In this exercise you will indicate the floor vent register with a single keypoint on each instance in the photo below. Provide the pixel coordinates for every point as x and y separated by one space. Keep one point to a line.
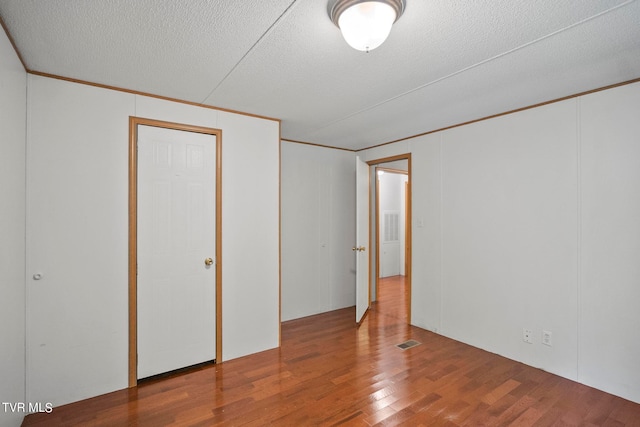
408 344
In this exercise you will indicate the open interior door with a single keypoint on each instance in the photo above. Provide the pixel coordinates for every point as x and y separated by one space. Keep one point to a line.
361 248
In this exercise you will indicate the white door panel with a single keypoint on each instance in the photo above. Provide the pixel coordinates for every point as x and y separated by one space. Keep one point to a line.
176 233
362 238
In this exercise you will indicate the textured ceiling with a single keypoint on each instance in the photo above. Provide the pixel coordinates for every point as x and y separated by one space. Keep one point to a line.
445 62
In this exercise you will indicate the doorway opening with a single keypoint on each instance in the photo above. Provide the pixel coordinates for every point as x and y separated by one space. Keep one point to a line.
134 126
391 199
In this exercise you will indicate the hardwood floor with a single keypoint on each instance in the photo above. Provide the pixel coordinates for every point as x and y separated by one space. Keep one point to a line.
329 372
392 298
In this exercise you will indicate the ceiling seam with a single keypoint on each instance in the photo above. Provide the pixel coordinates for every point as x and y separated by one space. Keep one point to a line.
485 61
317 145
271 27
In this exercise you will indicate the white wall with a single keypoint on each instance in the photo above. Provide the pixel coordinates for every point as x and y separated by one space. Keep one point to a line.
509 232
531 220
250 234
77 239
318 230
77 236
13 114
609 295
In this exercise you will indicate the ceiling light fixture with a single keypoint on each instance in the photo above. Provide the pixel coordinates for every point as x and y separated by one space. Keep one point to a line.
365 24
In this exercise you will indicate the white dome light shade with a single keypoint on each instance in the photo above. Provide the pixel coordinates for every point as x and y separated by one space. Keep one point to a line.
365 26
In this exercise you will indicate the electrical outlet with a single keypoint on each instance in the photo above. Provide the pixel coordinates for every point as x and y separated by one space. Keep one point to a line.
527 335
546 338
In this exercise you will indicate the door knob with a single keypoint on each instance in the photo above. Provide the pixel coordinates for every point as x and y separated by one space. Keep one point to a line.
358 248
361 248
208 261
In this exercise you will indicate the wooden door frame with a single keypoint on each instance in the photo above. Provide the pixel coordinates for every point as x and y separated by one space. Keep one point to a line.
134 122
408 229
407 221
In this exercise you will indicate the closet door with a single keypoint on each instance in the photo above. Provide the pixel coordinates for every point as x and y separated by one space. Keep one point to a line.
176 250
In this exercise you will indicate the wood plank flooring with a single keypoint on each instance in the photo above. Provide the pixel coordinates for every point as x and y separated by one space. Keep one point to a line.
330 372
